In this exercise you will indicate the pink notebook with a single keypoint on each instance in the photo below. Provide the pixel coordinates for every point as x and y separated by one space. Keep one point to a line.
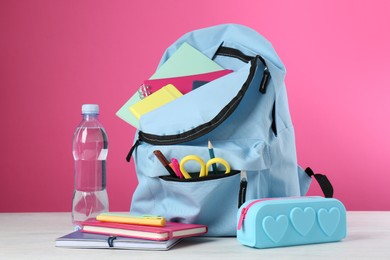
169 231
183 84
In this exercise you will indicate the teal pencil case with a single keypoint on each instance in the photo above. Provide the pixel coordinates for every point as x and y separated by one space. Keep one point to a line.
266 223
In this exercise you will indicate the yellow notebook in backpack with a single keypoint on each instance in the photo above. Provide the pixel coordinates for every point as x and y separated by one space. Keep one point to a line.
157 99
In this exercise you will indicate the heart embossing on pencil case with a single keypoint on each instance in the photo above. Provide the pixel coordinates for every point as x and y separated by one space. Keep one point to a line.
303 220
329 220
275 229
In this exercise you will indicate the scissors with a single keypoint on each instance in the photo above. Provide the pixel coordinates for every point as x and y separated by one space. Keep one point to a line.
204 168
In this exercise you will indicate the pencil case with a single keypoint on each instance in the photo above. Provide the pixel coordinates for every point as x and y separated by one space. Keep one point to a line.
266 223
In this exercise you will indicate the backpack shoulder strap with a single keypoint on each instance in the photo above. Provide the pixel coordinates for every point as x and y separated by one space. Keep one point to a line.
323 181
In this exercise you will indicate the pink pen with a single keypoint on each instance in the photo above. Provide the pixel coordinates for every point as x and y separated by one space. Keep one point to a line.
176 168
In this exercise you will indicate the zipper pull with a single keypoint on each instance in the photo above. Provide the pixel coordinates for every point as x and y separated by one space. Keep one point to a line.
245 210
135 145
265 80
242 217
243 187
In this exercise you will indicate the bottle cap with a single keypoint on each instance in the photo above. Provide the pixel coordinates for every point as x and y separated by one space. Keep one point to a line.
90 109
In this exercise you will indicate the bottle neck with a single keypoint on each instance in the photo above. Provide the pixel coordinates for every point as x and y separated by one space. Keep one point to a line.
88 117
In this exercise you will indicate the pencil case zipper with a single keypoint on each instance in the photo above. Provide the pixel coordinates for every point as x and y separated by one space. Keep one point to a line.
245 209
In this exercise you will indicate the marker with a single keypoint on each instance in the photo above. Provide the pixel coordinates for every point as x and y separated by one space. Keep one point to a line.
212 156
176 167
164 162
129 219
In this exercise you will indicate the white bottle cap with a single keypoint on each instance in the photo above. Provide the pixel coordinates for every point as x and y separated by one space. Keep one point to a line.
90 109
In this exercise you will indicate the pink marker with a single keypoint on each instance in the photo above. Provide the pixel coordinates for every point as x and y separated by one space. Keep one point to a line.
176 168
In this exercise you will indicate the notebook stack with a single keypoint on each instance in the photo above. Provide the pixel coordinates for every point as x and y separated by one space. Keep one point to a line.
123 231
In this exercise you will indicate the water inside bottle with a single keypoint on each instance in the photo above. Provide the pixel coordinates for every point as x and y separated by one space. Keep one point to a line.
90 159
90 153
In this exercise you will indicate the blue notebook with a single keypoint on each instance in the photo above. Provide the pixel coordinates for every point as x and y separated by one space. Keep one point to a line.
80 239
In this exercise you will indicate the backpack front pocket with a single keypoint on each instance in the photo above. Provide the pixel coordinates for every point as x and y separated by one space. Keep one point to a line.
202 201
198 199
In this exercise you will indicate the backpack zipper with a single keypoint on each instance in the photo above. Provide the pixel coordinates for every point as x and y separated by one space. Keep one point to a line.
206 127
235 53
218 119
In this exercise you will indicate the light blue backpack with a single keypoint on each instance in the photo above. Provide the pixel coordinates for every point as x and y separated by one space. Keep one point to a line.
245 114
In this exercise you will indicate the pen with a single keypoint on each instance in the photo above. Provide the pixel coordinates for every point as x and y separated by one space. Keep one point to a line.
164 162
242 192
212 156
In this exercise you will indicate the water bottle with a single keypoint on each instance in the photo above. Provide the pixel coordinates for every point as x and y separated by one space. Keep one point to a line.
90 147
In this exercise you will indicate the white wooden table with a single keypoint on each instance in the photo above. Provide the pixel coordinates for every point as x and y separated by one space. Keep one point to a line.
32 236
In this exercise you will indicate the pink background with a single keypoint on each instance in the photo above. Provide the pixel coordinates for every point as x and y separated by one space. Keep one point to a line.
57 55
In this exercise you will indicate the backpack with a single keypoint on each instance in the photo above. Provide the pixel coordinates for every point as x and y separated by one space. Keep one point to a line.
246 116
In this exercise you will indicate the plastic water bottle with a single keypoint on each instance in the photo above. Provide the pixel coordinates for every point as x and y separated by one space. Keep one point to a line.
90 147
